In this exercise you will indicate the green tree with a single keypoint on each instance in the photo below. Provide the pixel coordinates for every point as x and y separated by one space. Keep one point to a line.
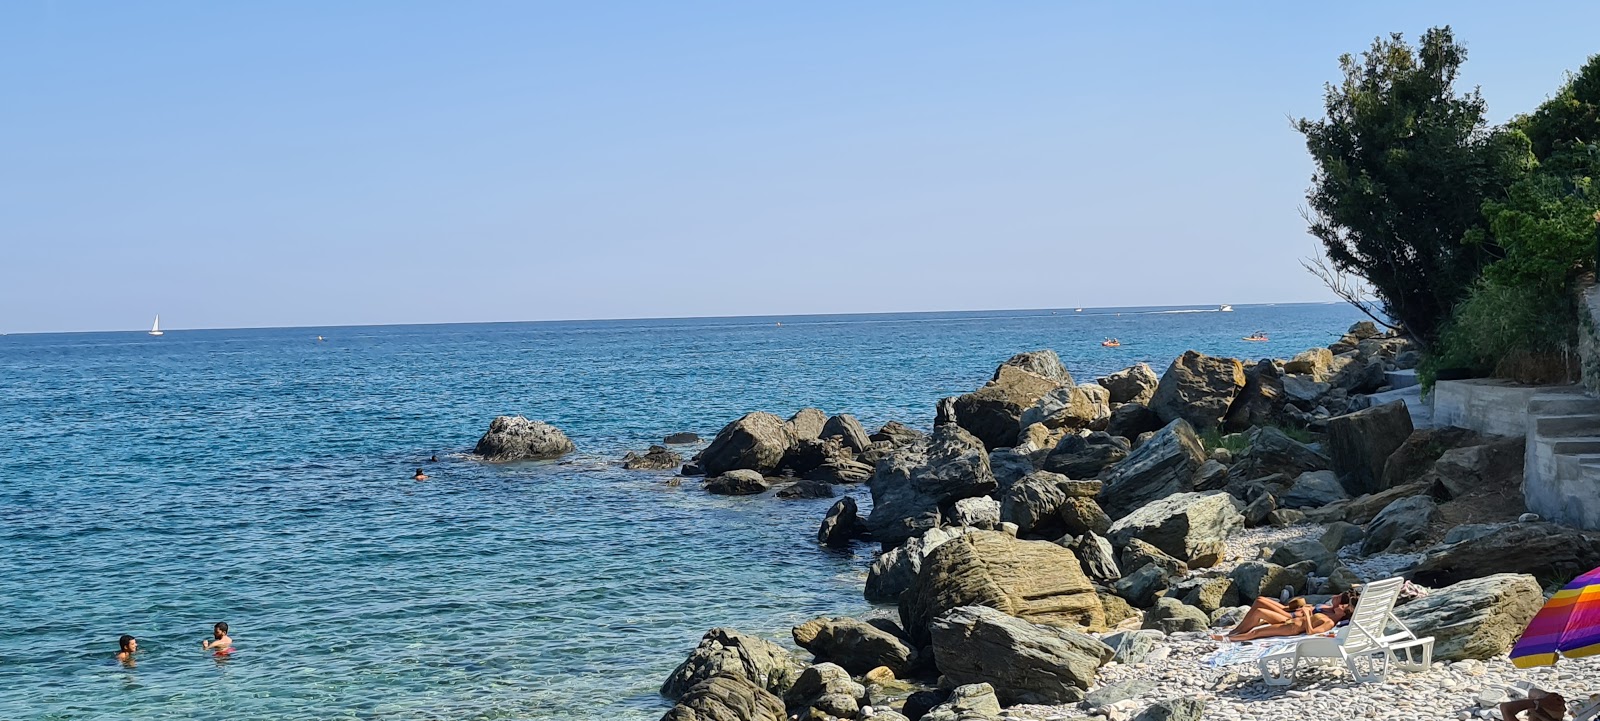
1404 165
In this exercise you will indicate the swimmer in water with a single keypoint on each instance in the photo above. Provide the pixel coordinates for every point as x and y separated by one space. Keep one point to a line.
433 459
219 640
420 476
126 646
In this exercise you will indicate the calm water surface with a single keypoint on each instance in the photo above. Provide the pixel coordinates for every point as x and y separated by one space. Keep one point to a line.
155 485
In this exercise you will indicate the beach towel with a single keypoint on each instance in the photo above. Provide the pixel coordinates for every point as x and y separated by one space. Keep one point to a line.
1233 654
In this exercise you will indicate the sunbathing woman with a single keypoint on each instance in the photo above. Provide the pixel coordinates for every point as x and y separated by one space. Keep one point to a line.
1267 617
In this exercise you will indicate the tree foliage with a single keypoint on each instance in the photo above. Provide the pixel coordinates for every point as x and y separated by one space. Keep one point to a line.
1404 166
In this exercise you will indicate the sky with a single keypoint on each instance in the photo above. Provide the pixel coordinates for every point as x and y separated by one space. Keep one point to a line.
289 163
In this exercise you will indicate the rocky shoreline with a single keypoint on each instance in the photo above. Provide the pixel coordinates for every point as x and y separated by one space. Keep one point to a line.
1059 550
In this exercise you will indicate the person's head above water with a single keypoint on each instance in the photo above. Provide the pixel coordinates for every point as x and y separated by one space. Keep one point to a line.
127 644
420 474
220 629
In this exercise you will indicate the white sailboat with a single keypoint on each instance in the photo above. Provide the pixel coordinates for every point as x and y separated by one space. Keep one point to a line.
155 328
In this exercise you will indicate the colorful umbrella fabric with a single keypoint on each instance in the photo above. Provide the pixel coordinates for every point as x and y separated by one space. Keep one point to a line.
1568 625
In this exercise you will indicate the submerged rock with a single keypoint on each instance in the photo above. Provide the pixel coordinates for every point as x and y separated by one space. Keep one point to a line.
658 458
515 438
738 483
680 439
841 524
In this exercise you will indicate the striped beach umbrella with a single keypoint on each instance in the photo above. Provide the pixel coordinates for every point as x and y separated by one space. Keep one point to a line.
1568 625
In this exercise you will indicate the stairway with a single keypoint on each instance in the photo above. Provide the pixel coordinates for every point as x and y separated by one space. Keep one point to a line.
1561 466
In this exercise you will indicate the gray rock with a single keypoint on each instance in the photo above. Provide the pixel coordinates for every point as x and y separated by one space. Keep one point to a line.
1024 662
897 434
854 644
1285 517
1210 594
1130 420
847 427
1133 647
993 413
1198 389
1041 363
1313 489
1169 615
1070 408
681 439
1134 384
514 438
1077 456
738 482
911 484
841 525
1341 534
806 424
1137 553
1254 579
1009 465
1261 399
1141 587
1033 502
1304 392
1360 443
1083 515
1192 527
1211 475
1343 579
726 698
980 512
1462 471
1314 363
1405 520
1177 709
827 688
1107 695
658 458
1164 465
807 489
756 442
1270 451
1416 456
726 652
893 571
970 702
1469 531
1478 618
1306 549
1544 550
1095 556
1255 514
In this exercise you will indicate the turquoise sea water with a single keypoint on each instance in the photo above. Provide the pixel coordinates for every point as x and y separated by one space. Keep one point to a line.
155 485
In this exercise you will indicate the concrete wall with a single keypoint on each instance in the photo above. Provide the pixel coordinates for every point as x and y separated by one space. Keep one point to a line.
1490 406
1589 338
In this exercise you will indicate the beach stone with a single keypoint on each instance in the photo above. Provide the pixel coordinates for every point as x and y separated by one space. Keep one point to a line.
1198 389
1259 401
1211 475
1405 520
1285 517
827 688
1417 454
1169 615
658 458
847 427
1137 553
1078 456
919 703
856 645
1228 617
979 512
1254 579
1177 709
993 413
1477 618
727 698
1313 489
681 439
1133 647
1540 549
1306 550
909 486
1033 502
1095 556
1314 363
807 489
1164 465
969 702
1025 663
1037 581
1141 587
1107 695
726 652
1340 534
1069 407
1360 443
806 424
1009 465
1363 509
1117 608
1343 579
1191 527
755 442
1255 514
1469 531
893 571
1082 515
1130 420
1134 384
738 482
1210 594
1269 451
897 434
515 438
841 525
1461 471
1303 392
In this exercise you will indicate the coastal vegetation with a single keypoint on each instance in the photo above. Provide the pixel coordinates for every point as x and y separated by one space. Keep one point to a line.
1471 237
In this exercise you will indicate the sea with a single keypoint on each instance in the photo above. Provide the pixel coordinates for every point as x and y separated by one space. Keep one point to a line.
263 477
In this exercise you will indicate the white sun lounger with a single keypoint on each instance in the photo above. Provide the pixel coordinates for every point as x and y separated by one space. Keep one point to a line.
1363 645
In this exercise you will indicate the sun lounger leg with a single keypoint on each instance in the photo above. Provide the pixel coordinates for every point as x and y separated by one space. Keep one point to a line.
1371 667
1278 669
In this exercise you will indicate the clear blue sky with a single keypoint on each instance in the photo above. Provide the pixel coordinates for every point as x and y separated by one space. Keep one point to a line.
305 163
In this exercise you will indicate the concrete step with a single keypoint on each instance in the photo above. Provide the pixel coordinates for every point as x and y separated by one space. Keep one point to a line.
1572 465
1401 379
1572 445
1554 426
1563 404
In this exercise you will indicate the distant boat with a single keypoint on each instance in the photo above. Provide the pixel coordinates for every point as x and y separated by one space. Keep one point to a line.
155 328
1257 337
1226 309
1079 310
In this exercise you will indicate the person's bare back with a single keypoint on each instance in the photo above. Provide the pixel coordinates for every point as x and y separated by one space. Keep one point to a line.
219 641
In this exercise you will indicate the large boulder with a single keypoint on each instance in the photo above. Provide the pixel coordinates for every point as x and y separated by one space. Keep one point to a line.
1313 489
968 702
1486 467
1070 408
1170 615
1009 465
1040 363
978 512
847 427
1095 555
1164 465
756 442
1315 363
1415 457
1037 581
726 652
738 482
1131 420
912 483
841 525
1359 443
1303 392
1192 527
993 413
1142 586
825 690
1544 550
1269 450
897 434
1259 401
1254 579
894 570
1477 618
1026 663
1083 515
1079 456
1134 384
727 698
514 438
1198 388
854 644
806 424
1404 521
1034 502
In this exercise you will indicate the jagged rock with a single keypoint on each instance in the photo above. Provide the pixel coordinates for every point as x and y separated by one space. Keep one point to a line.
1170 615
1095 556
1107 695
1032 503
1211 475
1461 471
1133 647
893 571
919 703
806 424
658 458
841 524
1077 456
1176 709
1313 489
738 482
827 688
1259 401
1477 618
1303 392
1541 549
1142 586
980 512
1137 554
1314 363
1034 580
727 698
897 434
1037 437
1164 465
726 652
840 470
1192 527
1024 662
1469 531
1116 608
1041 363
1009 465
1210 594
514 438
806 489
1083 515
1130 420
1285 517
1306 549
1416 455
1363 330
1405 520
1198 389
911 484
1255 514
756 442
808 454
854 644
993 413
1134 384
970 702
847 427
1254 579
1070 408
1270 451
681 439
1360 377
1359 443
1340 534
